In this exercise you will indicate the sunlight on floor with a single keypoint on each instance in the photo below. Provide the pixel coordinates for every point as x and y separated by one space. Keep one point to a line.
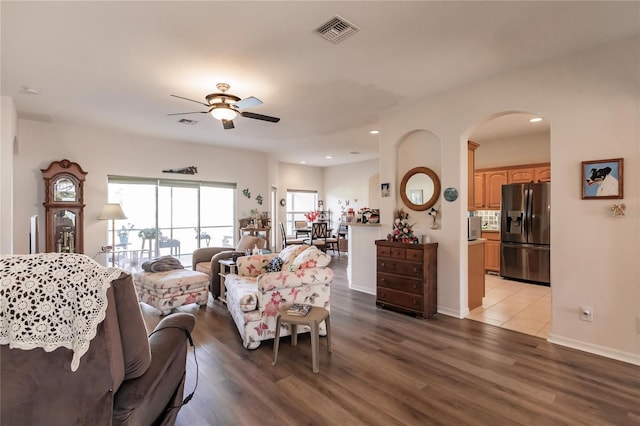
516 306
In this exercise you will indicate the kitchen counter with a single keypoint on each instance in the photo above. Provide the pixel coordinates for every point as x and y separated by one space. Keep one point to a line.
477 241
490 230
361 265
359 224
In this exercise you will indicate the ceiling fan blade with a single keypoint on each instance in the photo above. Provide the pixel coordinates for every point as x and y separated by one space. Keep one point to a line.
194 112
259 116
187 99
249 102
228 124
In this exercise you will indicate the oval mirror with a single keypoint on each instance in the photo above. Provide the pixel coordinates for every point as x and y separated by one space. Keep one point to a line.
420 188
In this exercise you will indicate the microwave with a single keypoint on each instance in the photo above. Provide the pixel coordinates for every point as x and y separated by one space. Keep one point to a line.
474 227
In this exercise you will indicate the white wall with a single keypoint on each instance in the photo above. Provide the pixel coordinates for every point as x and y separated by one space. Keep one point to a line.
7 136
528 149
352 182
592 102
101 152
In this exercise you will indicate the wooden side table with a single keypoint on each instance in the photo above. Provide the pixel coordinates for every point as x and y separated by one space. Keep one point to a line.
227 266
312 320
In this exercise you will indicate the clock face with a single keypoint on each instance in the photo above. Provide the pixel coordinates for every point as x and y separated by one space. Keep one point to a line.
450 194
283 202
64 190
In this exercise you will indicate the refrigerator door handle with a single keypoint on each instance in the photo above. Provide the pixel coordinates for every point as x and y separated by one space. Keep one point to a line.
527 212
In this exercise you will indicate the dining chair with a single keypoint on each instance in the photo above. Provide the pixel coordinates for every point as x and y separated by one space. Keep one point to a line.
318 236
289 242
299 224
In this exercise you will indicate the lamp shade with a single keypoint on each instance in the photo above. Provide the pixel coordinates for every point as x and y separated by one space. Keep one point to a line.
112 211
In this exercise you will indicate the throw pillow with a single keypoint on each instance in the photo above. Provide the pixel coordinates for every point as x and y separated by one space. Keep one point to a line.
247 242
312 257
275 265
289 253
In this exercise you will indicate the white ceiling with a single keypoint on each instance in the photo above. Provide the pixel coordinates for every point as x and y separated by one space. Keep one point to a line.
115 64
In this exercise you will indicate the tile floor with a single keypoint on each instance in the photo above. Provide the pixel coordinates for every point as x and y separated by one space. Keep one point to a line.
516 306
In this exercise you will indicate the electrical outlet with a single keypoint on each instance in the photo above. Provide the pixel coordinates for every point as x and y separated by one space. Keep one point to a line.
586 313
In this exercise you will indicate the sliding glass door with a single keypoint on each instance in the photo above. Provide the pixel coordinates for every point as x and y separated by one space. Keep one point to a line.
172 217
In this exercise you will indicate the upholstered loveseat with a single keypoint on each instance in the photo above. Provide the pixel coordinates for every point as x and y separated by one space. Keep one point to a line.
254 294
206 259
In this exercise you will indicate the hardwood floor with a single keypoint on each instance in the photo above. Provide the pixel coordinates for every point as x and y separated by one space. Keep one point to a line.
388 368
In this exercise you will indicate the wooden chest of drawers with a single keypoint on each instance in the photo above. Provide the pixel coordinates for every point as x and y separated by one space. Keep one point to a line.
407 277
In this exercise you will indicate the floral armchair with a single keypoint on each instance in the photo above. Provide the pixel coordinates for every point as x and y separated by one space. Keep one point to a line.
255 294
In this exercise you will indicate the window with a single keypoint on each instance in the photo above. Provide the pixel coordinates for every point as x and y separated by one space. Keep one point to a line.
299 203
172 216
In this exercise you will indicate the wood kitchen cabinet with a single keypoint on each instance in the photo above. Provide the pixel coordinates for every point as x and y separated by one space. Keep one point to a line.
406 277
488 182
521 175
530 174
491 251
489 189
478 183
471 164
542 174
476 273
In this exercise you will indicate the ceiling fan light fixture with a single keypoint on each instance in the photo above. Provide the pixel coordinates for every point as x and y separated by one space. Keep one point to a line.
223 113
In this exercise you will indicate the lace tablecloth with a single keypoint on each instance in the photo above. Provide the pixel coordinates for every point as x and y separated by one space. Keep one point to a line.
52 300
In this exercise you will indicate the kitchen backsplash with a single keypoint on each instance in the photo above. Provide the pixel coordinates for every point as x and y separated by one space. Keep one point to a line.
490 218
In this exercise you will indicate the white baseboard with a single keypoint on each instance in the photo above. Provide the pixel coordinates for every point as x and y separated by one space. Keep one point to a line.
629 357
362 290
452 312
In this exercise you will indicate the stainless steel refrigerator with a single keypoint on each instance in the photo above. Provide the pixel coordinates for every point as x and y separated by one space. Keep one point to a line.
525 247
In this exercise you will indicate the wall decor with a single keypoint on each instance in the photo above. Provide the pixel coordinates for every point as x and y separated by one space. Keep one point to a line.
259 199
385 190
246 193
191 170
283 202
450 194
602 179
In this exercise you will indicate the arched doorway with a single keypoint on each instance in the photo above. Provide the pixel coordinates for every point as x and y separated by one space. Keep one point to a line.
513 147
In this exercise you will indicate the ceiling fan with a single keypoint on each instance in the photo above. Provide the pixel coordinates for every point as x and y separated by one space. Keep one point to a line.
225 107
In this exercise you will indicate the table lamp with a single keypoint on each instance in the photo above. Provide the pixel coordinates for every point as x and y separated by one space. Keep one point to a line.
113 212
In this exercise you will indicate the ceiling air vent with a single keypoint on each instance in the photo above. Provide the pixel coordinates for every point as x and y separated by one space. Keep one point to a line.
187 121
336 29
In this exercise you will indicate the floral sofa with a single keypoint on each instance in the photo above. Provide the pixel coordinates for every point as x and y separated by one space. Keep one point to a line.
254 294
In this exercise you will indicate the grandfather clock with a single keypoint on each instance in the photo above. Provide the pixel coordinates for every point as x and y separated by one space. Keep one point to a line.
64 207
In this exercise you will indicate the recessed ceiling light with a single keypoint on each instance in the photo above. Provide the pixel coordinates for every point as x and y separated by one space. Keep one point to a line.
374 132
328 157
535 120
303 162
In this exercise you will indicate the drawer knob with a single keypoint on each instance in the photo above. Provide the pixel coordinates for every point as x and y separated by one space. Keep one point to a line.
415 269
415 286
382 264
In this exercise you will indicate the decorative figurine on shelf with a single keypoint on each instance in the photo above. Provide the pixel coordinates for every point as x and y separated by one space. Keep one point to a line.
434 214
402 231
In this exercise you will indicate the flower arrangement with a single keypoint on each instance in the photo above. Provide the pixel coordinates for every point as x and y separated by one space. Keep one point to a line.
402 231
312 215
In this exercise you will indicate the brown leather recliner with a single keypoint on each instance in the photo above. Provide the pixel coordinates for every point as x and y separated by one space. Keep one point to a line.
125 378
206 259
